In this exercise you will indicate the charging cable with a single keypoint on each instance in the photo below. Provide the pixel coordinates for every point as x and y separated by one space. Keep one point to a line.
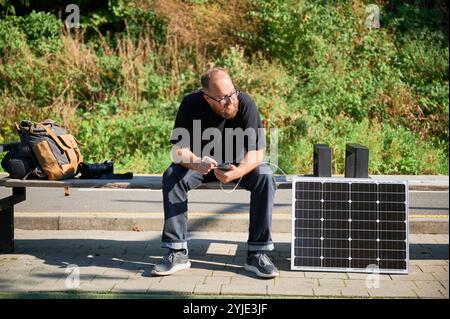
237 184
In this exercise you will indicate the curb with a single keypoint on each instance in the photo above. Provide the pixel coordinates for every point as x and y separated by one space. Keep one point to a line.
281 223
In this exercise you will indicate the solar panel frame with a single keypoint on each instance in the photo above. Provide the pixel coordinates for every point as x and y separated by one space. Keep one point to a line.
377 269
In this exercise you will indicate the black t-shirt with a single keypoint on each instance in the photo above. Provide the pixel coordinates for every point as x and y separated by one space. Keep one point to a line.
205 133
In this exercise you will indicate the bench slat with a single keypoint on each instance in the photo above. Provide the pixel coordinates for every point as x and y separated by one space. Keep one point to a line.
422 183
138 182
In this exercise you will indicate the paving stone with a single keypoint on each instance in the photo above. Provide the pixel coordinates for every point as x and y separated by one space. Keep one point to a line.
361 276
120 273
174 280
445 289
325 282
363 284
356 284
59 285
441 238
171 288
194 272
22 283
296 282
429 262
414 276
218 280
327 291
394 289
423 238
22 270
92 270
290 290
105 277
292 274
389 293
243 289
48 276
434 269
441 275
207 289
332 275
251 280
5 278
220 248
19 287
356 292
226 273
100 283
429 289
133 286
444 283
414 268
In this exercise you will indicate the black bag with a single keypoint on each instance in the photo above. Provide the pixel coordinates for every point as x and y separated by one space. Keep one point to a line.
19 161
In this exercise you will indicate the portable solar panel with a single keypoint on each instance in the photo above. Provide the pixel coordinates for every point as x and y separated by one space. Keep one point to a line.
350 225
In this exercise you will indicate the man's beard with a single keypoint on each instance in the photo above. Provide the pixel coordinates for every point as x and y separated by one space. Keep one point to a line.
230 112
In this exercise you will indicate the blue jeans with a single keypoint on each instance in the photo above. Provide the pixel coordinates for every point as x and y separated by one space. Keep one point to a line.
178 180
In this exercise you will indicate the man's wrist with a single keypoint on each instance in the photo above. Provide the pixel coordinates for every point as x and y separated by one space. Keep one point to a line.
192 163
194 166
241 170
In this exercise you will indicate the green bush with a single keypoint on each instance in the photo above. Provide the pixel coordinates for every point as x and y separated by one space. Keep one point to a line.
392 150
40 31
423 63
135 138
12 38
43 32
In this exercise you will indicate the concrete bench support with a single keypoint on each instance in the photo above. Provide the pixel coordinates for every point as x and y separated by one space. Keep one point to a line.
7 218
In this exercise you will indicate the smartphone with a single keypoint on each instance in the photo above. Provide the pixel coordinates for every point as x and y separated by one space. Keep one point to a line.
224 167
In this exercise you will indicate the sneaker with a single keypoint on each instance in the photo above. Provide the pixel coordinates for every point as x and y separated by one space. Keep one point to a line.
260 264
171 263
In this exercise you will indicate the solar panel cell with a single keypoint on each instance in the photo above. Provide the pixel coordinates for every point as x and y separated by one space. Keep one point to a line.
307 262
336 263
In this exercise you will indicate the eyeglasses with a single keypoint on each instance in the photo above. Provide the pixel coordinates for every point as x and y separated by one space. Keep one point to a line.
223 101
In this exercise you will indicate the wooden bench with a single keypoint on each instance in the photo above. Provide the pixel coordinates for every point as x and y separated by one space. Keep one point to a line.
138 182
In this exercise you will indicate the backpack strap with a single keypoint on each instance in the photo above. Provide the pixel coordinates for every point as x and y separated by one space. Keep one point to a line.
54 136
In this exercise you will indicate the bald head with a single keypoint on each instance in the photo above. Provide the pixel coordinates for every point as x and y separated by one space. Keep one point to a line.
213 75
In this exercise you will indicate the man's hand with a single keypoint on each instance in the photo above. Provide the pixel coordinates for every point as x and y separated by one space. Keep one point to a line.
228 176
205 166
